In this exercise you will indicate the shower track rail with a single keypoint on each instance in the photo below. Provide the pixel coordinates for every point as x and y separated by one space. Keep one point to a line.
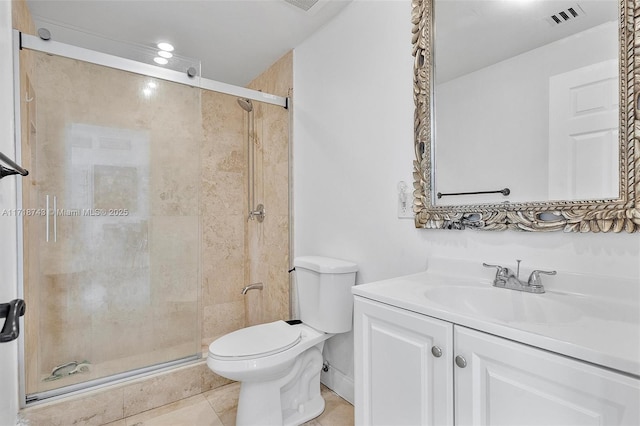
65 391
27 41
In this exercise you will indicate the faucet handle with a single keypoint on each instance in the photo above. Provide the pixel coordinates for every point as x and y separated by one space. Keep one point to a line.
501 272
534 278
498 267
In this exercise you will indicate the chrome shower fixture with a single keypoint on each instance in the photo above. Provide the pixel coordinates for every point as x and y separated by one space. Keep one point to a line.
245 104
257 212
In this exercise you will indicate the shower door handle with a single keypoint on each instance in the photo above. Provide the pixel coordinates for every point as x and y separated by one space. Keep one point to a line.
12 311
46 230
55 218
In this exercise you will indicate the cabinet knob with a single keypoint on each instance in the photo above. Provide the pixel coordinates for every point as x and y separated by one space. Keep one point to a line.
461 362
436 351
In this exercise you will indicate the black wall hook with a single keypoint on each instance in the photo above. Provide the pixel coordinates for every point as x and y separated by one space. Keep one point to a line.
12 311
17 170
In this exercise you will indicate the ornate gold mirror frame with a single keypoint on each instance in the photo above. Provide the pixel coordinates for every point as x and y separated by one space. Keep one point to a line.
618 215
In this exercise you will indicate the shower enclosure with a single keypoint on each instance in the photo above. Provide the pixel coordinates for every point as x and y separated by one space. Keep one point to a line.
114 226
113 245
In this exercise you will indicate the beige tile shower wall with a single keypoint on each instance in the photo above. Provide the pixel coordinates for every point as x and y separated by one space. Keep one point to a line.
21 17
223 206
268 257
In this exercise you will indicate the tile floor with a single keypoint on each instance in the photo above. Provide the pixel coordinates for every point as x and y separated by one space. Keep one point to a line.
218 408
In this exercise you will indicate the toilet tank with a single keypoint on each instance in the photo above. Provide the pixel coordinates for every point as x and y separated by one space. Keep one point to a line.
324 292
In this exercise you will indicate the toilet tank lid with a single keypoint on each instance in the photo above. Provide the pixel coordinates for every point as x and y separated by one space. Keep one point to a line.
325 265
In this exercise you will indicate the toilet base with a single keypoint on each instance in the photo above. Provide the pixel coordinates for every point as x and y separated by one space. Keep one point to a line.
311 410
290 400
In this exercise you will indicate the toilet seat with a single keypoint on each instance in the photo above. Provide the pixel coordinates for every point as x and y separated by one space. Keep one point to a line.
256 341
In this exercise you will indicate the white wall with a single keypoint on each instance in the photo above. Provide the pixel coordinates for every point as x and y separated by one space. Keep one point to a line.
8 251
506 119
353 142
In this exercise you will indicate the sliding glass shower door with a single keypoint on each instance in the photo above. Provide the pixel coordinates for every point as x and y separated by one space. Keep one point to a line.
111 227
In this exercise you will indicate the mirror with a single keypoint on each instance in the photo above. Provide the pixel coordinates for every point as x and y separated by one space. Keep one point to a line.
522 120
539 97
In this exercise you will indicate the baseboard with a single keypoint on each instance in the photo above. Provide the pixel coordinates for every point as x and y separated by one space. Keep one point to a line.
338 382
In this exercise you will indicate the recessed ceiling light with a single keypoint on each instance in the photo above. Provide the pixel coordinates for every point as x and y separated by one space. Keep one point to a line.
165 54
165 46
161 61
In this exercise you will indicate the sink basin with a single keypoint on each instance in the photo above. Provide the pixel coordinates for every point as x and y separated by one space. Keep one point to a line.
504 305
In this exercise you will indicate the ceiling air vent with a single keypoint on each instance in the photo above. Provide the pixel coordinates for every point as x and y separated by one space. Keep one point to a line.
302 4
569 14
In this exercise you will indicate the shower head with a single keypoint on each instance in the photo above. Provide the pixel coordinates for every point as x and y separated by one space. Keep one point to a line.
245 104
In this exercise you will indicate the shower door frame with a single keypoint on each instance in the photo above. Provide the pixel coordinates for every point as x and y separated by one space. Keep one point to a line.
26 41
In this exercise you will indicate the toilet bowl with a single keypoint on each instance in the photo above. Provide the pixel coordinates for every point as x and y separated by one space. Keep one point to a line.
279 364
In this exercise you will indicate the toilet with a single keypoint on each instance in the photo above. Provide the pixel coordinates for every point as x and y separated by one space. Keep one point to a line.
278 363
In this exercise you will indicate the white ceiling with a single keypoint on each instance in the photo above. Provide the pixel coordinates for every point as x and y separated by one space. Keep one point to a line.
235 40
473 34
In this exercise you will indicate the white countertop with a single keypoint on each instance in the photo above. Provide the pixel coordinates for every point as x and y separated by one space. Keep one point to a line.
602 331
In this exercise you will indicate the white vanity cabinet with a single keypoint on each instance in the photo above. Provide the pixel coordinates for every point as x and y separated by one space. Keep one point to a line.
508 383
483 379
403 368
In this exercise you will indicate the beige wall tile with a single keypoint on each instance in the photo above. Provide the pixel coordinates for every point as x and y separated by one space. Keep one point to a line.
223 252
190 411
268 243
221 319
278 78
254 302
95 409
22 17
160 390
223 237
223 206
223 280
223 193
121 422
211 380
175 260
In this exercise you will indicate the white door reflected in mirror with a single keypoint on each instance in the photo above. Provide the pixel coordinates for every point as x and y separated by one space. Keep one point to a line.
583 133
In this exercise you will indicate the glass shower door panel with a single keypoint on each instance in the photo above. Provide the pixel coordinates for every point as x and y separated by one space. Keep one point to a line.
116 173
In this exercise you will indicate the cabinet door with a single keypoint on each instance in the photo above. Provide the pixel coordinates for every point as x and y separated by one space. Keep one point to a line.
398 379
508 383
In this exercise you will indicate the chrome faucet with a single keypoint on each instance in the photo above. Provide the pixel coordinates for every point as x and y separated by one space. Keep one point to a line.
254 286
506 278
